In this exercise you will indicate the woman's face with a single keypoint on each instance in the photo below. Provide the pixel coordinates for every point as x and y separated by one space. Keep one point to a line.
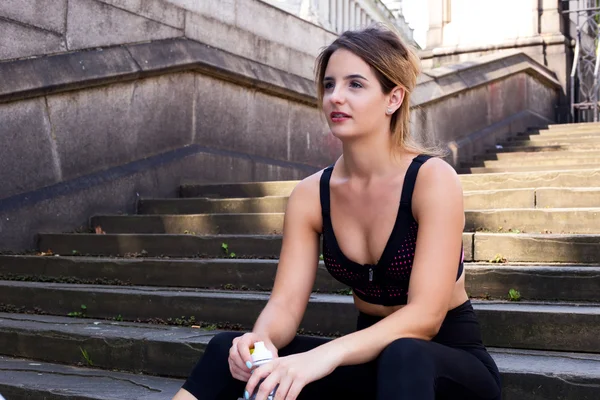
353 101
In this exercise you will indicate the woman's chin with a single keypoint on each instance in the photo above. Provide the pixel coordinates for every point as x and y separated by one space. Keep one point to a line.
344 134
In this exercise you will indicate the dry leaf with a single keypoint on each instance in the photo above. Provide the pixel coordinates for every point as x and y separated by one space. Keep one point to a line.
99 231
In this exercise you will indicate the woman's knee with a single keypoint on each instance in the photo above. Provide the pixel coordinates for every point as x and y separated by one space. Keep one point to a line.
405 353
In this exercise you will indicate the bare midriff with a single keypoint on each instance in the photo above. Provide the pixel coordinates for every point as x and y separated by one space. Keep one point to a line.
459 296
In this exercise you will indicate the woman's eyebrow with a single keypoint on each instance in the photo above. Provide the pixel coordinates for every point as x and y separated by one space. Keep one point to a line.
353 76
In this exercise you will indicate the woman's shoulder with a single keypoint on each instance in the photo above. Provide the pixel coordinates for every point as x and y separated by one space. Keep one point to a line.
436 170
305 201
438 184
309 186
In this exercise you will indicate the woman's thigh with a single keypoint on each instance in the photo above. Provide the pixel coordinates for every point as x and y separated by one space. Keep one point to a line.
413 367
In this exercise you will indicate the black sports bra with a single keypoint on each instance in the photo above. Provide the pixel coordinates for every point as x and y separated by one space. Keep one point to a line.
385 283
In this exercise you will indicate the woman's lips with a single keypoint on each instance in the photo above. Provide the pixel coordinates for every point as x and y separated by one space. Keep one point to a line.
338 116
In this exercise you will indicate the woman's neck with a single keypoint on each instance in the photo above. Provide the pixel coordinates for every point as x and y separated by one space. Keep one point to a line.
373 157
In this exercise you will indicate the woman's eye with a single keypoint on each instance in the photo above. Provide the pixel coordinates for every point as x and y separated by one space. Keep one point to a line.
355 84
328 85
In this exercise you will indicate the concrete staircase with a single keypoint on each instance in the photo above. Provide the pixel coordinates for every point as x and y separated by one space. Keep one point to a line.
146 292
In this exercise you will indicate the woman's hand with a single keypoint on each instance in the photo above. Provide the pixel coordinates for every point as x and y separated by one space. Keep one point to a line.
240 361
291 373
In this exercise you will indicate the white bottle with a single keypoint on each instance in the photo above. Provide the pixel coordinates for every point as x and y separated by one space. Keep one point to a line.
260 356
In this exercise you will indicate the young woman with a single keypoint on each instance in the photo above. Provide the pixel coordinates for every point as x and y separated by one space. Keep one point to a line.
391 217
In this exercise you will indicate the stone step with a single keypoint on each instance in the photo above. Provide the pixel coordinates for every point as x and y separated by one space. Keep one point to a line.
269 204
153 349
526 375
526 325
583 178
197 224
538 147
29 379
161 245
532 198
538 248
556 135
546 220
539 140
575 126
484 280
535 179
473 200
576 283
542 155
558 163
540 375
478 246
571 220
237 190
567 197
500 169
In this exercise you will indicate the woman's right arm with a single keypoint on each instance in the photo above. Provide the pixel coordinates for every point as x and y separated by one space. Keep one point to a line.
297 267
298 262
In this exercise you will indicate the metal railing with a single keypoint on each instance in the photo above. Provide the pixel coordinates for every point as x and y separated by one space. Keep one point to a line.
585 73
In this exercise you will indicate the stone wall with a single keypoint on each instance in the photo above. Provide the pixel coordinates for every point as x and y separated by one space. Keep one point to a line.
470 106
249 28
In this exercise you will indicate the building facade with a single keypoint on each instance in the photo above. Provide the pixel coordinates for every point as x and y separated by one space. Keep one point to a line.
341 15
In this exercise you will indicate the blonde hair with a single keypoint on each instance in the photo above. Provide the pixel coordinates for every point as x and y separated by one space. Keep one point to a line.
395 64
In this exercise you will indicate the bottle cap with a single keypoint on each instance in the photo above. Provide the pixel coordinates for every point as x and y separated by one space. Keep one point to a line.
261 352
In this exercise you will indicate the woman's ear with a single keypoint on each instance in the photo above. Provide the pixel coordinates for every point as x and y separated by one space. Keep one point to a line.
396 98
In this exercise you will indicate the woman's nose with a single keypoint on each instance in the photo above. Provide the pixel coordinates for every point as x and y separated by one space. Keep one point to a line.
336 96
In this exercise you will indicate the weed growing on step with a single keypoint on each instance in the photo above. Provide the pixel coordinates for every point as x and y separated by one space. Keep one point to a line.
514 295
186 232
183 321
346 292
87 357
225 248
79 314
118 318
498 259
321 257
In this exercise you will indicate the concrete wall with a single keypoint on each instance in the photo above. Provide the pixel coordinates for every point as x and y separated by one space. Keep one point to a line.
249 28
87 131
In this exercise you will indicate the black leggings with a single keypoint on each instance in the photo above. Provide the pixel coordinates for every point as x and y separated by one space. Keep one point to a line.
453 365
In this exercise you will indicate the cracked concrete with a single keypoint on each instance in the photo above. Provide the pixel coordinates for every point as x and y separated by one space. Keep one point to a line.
81 383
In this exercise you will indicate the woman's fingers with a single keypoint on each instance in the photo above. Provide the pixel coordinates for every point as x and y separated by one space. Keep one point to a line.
243 349
260 373
283 388
268 385
239 373
295 390
235 356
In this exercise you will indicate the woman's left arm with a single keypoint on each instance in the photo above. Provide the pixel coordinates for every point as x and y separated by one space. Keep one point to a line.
438 208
